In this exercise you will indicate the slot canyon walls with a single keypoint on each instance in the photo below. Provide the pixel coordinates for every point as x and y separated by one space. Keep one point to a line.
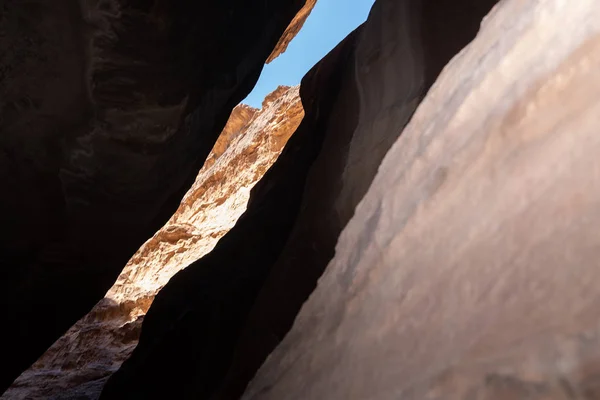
195 320
79 363
428 232
108 110
213 325
470 268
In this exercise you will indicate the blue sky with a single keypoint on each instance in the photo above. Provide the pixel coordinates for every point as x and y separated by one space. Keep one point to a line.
329 22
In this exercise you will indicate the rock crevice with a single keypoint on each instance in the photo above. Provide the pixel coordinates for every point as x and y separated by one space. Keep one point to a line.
108 110
356 104
428 231
98 344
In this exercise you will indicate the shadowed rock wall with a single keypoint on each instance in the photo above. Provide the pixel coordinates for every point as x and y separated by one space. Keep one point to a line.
196 318
470 268
108 109
357 101
80 362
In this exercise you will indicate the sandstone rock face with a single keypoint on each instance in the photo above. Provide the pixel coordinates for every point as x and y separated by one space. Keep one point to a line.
470 269
357 101
78 364
400 51
292 30
217 198
467 271
239 119
108 110
196 318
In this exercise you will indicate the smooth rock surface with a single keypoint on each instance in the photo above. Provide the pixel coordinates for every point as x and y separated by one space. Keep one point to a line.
470 269
97 344
400 51
357 101
108 109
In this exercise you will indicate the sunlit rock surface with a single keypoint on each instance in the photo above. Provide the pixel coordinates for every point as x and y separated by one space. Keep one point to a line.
471 268
219 195
79 363
293 29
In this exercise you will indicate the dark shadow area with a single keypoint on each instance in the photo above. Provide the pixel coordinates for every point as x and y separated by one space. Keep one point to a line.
107 112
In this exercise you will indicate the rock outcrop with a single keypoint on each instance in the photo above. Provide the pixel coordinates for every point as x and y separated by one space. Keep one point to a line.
357 103
78 364
239 119
292 30
108 109
470 268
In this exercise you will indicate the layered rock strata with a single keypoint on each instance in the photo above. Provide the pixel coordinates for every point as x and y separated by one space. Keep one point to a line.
292 30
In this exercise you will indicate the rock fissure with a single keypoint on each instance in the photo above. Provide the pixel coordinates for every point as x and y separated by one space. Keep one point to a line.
98 343
428 230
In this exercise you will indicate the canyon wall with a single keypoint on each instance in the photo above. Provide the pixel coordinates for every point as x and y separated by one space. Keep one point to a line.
399 53
196 318
108 109
292 30
429 231
470 269
80 362
213 325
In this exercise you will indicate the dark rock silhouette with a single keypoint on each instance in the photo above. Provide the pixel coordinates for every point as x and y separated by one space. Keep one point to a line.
108 110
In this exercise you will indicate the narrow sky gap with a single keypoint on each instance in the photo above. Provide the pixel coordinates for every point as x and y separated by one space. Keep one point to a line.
329 23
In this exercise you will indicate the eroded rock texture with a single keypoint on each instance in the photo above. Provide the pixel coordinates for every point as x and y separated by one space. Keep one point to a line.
214 323
470 269
78 364
196 319
293 29
108 110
